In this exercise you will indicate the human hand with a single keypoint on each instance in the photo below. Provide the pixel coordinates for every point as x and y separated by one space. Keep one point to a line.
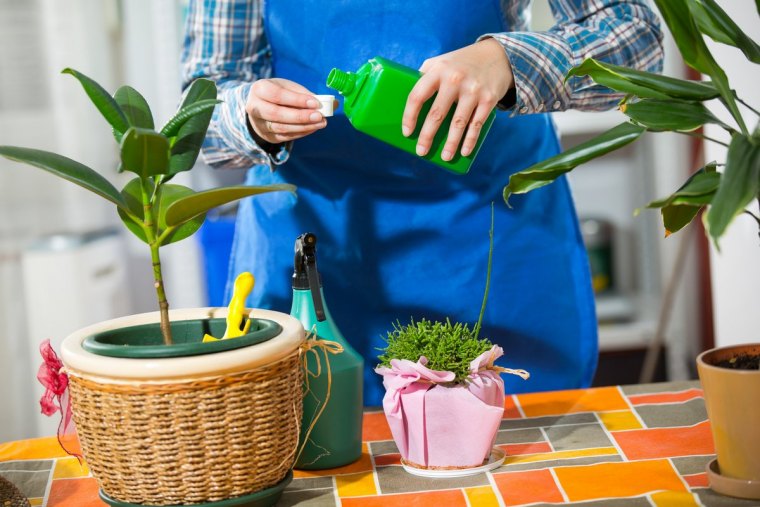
280 110
476 77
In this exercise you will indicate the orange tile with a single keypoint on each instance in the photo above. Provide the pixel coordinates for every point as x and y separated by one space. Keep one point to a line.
447 498
388 459
697 480
666 442
531 448
362 484
605 480
619 420
482 496
572 401
510 409
75 493
674 499
531 486
35 448
375 427
363 464
687 395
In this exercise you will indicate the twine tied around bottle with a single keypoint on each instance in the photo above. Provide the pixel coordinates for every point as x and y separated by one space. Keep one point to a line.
314 345
500 369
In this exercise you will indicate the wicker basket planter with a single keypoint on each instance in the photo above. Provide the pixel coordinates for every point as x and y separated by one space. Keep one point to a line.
188 430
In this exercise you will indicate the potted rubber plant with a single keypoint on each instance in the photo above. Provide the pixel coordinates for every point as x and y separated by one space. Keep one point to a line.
444 396
165 417
653 103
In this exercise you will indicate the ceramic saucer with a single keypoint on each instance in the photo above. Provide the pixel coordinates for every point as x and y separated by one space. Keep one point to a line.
739 488
495 460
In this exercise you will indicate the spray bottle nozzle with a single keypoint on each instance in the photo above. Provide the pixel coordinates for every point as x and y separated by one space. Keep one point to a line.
305 274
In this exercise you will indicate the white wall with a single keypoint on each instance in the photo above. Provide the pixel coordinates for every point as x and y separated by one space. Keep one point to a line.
736 268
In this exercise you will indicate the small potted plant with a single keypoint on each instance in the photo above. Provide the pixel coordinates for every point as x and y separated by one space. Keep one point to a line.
444 396
162 421
729 376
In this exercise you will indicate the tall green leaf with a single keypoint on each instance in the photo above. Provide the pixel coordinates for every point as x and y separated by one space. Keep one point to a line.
168 195
103 102
189 139
187 208
178 120
740 184
135 107
67 169
669 115
545 172
144 152
713 21
695 53
680 208
643 84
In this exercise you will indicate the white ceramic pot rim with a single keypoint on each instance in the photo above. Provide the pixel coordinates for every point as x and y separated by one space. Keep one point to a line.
128 370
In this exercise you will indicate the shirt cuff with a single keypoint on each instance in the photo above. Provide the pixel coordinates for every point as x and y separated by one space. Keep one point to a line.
539 63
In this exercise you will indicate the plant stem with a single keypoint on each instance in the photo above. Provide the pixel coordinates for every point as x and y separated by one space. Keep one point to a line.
488 277
154 243
706 138
748 106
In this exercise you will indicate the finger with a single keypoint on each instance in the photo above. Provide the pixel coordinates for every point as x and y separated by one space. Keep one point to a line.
284 138
435 116
459 121
474 129
280 114
289 129
273 91
422 91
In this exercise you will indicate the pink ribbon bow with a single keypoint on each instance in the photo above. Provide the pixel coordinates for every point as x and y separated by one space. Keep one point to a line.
56 397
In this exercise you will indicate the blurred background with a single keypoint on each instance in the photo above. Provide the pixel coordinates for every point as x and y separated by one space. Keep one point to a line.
65 263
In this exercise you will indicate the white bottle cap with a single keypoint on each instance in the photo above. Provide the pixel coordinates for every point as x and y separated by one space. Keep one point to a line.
326 104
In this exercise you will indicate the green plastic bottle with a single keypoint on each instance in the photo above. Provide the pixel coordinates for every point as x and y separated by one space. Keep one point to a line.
375 97
336 438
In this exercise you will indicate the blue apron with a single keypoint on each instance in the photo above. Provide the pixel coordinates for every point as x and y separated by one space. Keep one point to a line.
399 238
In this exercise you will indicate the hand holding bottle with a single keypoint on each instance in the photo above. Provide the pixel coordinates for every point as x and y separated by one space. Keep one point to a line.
280 110
476 77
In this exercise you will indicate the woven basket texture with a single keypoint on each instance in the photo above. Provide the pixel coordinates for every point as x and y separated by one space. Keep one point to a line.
10 496
190 442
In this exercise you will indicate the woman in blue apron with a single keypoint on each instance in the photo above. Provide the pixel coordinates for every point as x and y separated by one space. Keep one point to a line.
400 238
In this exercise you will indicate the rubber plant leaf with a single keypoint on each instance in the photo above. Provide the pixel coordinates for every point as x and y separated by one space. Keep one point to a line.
545 172
103 102
144 152
67 169
132 195
172 127
713 21
643 84
669 115
186 145
740 184
187 208
694 51
168 195
135 107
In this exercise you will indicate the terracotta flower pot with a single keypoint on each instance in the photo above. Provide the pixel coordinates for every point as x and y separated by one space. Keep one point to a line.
732 397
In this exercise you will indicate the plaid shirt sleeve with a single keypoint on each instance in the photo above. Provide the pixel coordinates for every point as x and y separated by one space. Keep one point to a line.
621 32
225 41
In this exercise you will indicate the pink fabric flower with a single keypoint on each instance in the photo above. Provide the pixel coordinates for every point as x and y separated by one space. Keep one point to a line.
56 396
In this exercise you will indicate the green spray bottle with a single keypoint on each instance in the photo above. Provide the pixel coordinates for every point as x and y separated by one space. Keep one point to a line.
375 97
336 437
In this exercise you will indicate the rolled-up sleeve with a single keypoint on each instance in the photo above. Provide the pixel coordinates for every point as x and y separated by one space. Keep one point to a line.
225 42
624 33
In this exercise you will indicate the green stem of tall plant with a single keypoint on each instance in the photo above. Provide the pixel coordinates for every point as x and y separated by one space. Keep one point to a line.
748 106
488 277
706 138
158 279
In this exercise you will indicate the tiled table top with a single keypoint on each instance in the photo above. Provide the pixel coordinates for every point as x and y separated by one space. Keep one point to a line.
628 446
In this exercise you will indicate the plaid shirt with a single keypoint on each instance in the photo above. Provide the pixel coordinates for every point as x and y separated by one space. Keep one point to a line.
225 41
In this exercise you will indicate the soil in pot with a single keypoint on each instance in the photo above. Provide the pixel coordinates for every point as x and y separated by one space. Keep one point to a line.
740 362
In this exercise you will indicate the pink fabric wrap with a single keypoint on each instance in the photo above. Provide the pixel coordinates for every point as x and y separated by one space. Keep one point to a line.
440 425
